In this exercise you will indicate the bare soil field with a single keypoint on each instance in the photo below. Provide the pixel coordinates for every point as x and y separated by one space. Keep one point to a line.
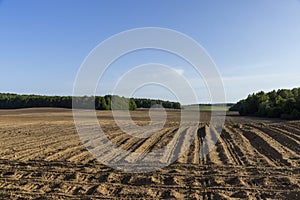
42 157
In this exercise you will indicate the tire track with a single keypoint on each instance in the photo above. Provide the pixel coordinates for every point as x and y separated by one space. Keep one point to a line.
238 143
231 148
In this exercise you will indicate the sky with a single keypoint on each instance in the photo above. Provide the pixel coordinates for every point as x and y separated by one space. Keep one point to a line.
255 44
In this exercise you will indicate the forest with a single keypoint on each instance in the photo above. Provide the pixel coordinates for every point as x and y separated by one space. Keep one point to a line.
107 102
283 103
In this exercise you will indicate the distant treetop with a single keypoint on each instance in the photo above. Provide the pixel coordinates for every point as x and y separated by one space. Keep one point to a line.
283 103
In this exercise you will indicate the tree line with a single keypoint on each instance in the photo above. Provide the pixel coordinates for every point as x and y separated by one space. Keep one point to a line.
283 103
147 103
107 102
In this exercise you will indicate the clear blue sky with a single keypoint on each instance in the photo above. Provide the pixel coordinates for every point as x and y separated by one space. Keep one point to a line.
254 43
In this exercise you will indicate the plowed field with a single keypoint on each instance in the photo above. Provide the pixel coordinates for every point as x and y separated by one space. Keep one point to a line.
42 157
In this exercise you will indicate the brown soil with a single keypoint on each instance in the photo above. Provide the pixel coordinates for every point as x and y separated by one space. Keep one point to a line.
42 157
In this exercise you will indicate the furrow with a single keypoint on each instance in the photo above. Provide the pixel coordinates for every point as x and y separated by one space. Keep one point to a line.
173 148
230 149
188 140
196 147
24 154
80 157
267 146
285 140
149 145
210 146
249 155
66 152
287 131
